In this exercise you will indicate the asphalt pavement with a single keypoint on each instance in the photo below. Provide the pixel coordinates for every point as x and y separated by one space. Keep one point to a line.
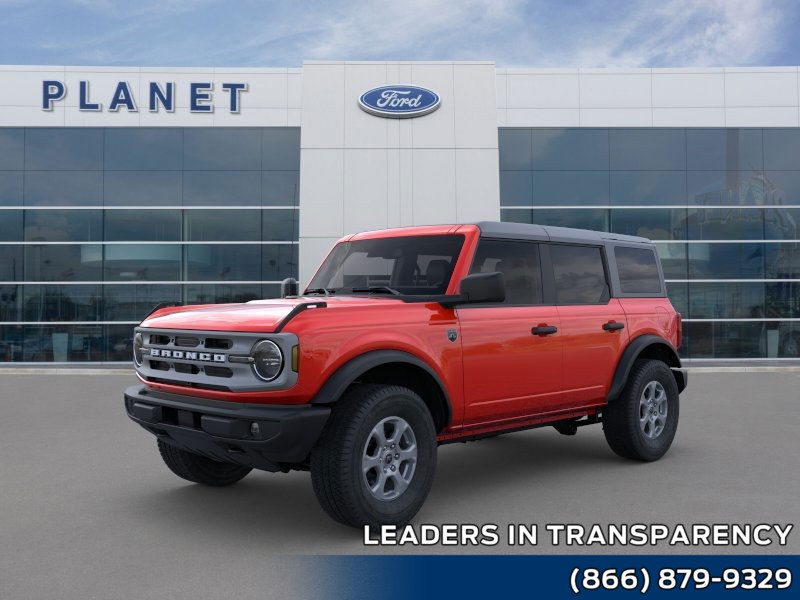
87 508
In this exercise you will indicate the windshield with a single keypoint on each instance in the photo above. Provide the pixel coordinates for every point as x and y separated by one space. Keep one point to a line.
408 265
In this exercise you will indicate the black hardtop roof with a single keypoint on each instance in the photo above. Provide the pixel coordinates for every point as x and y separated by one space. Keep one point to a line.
523 231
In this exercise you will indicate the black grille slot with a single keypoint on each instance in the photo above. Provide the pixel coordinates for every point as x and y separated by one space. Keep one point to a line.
213 371
191 384
187 342
160 340
187 368
159 365
218 343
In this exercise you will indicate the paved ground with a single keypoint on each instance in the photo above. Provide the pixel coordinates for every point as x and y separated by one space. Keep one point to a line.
87 509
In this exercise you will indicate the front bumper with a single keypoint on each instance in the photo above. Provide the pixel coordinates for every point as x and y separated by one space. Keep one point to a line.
225 430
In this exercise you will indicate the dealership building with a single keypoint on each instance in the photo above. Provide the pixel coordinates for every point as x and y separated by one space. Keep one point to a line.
122 188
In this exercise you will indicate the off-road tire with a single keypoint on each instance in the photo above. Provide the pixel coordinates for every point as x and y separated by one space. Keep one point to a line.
336 460
200 469
621 424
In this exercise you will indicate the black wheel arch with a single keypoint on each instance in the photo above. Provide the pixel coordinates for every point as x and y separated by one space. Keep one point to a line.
646 346
391 367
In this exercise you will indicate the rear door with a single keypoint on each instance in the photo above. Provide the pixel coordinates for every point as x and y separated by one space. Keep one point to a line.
593 324
509 369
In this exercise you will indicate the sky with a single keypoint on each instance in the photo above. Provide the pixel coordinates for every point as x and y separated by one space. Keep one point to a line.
566 33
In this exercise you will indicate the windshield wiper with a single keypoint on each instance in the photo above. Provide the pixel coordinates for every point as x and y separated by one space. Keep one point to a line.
323 291
375 289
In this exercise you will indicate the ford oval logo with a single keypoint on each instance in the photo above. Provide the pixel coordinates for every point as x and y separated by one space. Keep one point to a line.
399 101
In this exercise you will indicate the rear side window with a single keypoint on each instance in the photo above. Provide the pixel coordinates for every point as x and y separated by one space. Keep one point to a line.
638 270
519 264
579 274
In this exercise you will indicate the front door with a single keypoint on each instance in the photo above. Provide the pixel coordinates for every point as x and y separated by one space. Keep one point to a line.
512 351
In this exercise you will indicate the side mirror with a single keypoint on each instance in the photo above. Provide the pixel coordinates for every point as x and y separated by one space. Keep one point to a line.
289 287
479 288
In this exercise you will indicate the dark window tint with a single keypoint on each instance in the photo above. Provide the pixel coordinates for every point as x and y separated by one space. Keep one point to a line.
11 188
782 148
135 302
579 274
142 225
12 144
723 149
648 149
221 188
280 188
142 188
223 225
223 148
648 187
516 188
10 307
514 149
570 149
279 261
61 303
230 262
11 263
10 225
142 262
63 188
64 149
638 270
557 188
726 223
653 223
519 264
280 149
63 225
143 149
63 262
280 225
581 218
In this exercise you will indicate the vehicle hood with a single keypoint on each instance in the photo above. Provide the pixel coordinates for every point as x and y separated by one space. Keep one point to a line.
260 316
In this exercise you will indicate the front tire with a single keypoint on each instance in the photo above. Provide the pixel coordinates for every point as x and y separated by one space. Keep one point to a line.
375 461
199 469
640 424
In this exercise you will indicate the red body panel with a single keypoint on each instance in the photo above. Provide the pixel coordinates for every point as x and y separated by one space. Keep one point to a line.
497 373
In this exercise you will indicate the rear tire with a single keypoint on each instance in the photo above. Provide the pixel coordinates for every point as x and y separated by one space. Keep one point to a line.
640 424
375 460
199 469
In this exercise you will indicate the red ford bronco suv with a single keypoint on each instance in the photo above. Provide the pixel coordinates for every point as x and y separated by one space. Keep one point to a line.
406 339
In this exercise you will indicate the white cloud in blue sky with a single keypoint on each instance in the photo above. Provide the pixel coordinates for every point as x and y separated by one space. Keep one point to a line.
588 33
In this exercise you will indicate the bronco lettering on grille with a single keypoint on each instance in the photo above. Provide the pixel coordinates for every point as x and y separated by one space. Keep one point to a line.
182 354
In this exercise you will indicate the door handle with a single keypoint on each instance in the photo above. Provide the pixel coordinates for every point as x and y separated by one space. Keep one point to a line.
612 326
544 330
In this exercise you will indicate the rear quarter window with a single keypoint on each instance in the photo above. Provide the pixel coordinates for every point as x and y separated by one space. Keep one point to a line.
638 270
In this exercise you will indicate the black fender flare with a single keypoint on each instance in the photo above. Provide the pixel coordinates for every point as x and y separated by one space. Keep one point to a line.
345 375
633 351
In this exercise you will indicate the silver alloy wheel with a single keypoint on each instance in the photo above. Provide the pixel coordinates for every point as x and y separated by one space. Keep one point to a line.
389 458
653 409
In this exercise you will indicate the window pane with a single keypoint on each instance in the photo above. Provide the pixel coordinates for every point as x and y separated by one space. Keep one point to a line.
119 342
516 215
63 225
280 188
648 187
782 148
280 225
788 339
555 188
726 300
652 223
678 295
12 148
783 187
221 188
783 299
740 340
673 260
221 148
11 263
726 223
222 294
514 148
143 148
64 149
142 225
208 262
782 260
63 188
223 225
63 343
63 262
279 261
579 274
516 188
648 149
143 188
135 302
11 193
10 308
638 271
582 218
729 188
570 149
280 149
726 261
11 342
145 262
724 149
10 225
519 264
781 223
61 302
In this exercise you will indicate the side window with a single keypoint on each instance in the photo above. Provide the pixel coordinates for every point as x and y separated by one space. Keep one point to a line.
579 274
638 270
519 264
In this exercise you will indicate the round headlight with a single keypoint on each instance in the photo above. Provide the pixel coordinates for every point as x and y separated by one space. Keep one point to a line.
268 360
138 342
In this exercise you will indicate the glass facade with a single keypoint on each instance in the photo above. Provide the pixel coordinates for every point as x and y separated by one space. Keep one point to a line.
722 205
99 225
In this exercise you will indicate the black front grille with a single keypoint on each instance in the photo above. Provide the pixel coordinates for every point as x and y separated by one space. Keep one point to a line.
218 343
